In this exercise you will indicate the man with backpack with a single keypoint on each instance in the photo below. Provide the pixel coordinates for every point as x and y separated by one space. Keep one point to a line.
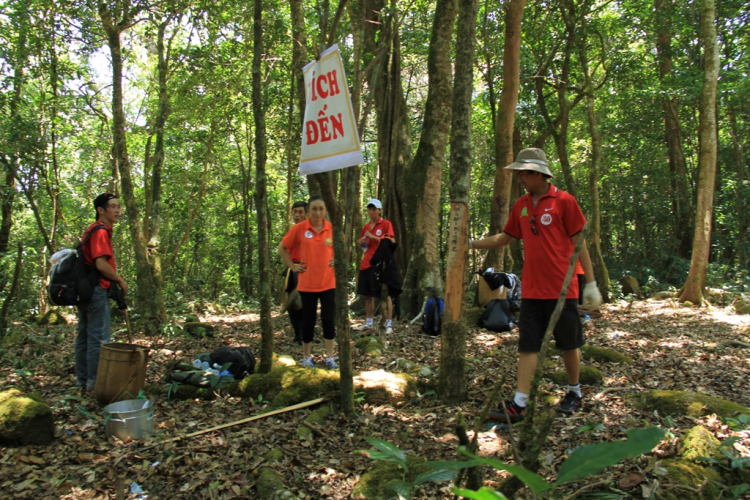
374 231
549 221
94 316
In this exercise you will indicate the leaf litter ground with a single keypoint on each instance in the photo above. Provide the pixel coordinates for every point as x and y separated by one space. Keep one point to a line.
672 348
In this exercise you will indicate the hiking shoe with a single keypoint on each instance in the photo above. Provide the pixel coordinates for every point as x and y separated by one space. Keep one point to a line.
331 363
513 412
363 326
388 330
308 363
571 403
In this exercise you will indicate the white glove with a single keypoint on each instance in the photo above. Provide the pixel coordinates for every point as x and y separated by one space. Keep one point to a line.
592 299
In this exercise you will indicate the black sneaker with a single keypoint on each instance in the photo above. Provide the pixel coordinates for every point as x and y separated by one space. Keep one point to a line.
571 403
514 413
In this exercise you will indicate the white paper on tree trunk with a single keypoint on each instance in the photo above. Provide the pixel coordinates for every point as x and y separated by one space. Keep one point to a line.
329 133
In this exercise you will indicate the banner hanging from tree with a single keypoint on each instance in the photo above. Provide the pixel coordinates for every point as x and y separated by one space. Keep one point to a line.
329 133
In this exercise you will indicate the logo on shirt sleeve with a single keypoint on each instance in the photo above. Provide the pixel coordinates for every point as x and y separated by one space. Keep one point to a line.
308 234
546 219
329 241
524 212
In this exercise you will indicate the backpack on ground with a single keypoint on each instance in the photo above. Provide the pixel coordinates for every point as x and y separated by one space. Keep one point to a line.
433 317
497 316
241 358
71 281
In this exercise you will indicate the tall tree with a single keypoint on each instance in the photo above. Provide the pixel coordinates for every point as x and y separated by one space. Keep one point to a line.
504 126
261 192
423 271
707 131
452 379
149 297
665 10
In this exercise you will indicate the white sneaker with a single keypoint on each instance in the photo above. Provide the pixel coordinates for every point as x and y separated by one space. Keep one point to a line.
308 363
388 330
363 326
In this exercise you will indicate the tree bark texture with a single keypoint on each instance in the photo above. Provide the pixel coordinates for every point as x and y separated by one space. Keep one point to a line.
452 376
149 296
261 193
707 127
423 273
504 126
740 167
664 10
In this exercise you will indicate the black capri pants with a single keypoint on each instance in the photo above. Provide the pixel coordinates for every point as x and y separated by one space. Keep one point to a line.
310 314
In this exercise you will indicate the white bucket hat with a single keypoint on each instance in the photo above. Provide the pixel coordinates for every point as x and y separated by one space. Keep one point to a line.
531 159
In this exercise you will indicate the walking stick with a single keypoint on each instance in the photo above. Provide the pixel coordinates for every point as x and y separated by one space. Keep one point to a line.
127 323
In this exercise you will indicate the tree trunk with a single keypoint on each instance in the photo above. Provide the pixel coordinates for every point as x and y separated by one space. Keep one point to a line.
423 273
149 296
696 280
504 126
261 193
452 376
740 166
677 166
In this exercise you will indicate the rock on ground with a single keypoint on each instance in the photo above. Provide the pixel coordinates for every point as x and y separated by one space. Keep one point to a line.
24 420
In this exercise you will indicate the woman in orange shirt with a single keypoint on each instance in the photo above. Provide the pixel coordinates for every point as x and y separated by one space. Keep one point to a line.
316 279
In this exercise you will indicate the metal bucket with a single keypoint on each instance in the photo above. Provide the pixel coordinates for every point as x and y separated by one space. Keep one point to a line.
129 419
121 373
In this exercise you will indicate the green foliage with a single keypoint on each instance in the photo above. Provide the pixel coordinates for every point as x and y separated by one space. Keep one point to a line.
404 489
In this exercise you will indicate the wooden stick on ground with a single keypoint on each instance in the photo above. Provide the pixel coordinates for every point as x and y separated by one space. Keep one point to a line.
298 406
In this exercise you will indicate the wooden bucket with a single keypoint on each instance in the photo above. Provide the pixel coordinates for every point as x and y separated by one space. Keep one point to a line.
121 373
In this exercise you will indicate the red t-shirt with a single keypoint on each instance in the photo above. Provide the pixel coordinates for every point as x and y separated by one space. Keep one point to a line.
100 245
382 229
316 251
557 218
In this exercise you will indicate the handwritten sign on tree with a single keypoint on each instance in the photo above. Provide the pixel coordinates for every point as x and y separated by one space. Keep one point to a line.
329 133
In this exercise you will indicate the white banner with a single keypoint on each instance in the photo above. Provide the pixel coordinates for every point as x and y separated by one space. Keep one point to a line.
329 134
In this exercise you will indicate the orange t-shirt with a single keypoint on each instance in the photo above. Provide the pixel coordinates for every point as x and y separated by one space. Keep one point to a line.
316 251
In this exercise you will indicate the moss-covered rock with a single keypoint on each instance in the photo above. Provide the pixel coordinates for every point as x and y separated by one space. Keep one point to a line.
371 485
689 403
273 456
52 317
286 385
406 366
382 387
316 418
268 484
664 295
630 286
198 330
588 376
691 475
603 355
699 442
687 303
472 315
372 346
24 420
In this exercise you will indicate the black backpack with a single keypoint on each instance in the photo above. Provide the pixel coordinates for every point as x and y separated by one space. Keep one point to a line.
433 317
497 316
71 281
241 358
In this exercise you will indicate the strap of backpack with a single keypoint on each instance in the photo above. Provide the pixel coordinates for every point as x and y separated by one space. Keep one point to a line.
91 231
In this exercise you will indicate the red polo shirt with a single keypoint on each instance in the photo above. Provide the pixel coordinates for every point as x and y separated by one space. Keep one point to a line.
382 229
100 245
557 218
316 251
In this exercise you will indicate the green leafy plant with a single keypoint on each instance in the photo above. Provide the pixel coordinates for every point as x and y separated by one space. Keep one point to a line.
172 389
590 425
260 400
403 489
359 398
737 424
584 462
734 461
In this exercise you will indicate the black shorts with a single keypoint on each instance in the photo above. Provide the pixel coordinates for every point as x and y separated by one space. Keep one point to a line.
367 285
535 316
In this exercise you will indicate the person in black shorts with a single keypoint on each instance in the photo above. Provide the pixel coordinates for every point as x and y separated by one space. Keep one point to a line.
549 221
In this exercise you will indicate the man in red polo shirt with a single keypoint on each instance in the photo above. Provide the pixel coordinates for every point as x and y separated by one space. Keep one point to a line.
375 230
549 221
299 214
94 317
